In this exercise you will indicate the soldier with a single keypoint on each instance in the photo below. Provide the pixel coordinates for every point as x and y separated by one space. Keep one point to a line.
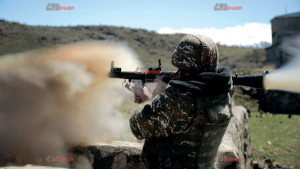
184 125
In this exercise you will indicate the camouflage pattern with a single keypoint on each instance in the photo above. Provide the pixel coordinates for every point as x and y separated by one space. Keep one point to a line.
196 53
183 130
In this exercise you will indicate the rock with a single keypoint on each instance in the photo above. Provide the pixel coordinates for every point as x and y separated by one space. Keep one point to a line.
236 143
117 155
269 162
235 149
257 165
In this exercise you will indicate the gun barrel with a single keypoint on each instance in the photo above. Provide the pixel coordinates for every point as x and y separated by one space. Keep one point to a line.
256 81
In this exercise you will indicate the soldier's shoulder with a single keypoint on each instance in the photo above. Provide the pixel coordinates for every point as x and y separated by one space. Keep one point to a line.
173 96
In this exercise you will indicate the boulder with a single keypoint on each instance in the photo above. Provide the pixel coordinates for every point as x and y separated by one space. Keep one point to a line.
117 155
234 151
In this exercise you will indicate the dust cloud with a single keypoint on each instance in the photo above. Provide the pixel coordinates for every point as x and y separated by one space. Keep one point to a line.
287 78
53 99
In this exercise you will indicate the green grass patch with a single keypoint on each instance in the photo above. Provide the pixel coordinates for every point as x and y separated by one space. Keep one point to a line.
276 137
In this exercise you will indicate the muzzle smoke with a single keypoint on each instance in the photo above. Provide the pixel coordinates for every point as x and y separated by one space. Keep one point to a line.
53 99
287 78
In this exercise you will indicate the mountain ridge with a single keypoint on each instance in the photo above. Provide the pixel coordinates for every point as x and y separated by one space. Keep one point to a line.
149 45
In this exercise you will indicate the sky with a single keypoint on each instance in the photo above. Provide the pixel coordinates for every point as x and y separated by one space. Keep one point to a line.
248 25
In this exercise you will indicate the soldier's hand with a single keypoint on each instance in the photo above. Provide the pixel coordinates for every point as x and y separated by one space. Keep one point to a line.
141 94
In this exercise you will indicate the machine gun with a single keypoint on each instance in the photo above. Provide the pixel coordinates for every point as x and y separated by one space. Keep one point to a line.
156 74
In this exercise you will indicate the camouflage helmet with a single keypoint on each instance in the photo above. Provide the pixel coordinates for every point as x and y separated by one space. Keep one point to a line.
196 53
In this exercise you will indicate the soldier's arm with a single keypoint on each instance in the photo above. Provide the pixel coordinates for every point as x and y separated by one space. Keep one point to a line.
169 113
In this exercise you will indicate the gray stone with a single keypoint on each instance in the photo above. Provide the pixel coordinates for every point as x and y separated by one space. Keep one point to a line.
235 149
117 155
235 145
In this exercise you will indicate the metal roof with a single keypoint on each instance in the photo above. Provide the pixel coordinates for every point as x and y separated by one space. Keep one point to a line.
292 15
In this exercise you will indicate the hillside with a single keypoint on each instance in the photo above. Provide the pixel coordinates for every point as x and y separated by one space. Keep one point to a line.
149 46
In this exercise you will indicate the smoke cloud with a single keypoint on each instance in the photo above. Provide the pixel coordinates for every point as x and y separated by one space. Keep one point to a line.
287 78
53 99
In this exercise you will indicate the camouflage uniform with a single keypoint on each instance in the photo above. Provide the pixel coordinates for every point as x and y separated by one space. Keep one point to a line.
184 125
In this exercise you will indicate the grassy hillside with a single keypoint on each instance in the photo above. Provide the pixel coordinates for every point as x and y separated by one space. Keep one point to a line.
149 46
